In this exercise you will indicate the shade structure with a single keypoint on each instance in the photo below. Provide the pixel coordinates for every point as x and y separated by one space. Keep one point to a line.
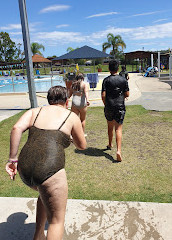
38 59
84 52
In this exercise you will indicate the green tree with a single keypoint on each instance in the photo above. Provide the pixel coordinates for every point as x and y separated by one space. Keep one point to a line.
35 48
116 43
70 49
7 47
54 56
18 52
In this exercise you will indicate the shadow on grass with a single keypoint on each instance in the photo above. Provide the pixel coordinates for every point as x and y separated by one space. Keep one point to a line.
96 152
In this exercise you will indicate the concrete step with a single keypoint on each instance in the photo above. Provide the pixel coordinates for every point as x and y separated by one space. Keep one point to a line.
91 219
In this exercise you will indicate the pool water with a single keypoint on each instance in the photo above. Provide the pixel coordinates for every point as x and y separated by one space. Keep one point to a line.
20 84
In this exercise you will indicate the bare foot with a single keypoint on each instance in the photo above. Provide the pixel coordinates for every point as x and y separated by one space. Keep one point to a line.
40 237
109 147
118 157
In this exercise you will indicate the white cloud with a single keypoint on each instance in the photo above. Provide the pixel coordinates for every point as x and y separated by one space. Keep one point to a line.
11 27
139 33
145 43
18 27
160 20
32 26
54 8
102 14
151 35
15 33
155 31
147 13
18 40
62 25
60 37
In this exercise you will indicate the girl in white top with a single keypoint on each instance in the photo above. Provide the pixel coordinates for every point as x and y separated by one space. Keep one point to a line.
79 91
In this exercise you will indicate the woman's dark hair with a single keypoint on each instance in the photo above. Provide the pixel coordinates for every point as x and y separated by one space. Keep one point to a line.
57 95
77 82
113 65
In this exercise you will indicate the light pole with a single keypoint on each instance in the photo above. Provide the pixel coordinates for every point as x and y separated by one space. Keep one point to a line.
1 40
28 54
170 57
152 60
159 64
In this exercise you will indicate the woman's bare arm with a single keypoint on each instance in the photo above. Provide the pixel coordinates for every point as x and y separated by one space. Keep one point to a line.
69 92
21 125
86 93
126 94
103 97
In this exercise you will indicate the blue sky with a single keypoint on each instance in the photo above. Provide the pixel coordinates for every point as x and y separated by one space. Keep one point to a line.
59 24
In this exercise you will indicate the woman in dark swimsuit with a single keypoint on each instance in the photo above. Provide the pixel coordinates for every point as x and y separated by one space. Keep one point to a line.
42 159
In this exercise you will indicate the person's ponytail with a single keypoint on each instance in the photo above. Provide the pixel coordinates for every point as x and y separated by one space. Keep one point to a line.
77 82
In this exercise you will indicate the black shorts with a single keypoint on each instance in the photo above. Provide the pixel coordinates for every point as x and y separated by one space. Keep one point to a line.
116 113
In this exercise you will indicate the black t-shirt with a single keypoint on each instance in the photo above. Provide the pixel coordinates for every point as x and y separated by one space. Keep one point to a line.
115 86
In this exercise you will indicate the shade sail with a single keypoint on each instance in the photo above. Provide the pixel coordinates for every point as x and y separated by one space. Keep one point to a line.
84 52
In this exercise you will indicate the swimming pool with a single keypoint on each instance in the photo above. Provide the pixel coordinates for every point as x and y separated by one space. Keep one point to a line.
20 84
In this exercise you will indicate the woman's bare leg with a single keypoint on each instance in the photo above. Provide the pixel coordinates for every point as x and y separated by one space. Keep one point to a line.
118 132
75 110
83 112
110 132
41 218
53 193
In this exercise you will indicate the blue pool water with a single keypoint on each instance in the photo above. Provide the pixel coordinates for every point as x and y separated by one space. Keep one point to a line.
20 84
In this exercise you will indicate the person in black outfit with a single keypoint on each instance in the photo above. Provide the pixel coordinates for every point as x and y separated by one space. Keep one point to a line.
124 73
114 91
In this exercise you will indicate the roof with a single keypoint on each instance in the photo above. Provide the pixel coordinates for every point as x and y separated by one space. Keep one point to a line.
38 59
140 54
84 52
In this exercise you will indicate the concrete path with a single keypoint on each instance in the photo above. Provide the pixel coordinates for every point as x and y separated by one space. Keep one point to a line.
94 220
151 93
155 94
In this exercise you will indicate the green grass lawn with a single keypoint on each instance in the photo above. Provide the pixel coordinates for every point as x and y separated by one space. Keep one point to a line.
144 175
82 69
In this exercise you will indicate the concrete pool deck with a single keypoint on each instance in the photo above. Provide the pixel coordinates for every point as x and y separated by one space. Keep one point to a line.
92 219
149 92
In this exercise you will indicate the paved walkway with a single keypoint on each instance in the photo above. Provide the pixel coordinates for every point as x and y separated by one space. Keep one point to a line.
155 94
91 220
94 220
151 93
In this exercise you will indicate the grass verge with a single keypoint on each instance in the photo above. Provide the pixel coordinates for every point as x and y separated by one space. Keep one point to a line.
144 175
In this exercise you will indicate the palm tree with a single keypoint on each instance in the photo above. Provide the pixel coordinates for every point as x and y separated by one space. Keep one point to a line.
114 42
70 49
35 47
